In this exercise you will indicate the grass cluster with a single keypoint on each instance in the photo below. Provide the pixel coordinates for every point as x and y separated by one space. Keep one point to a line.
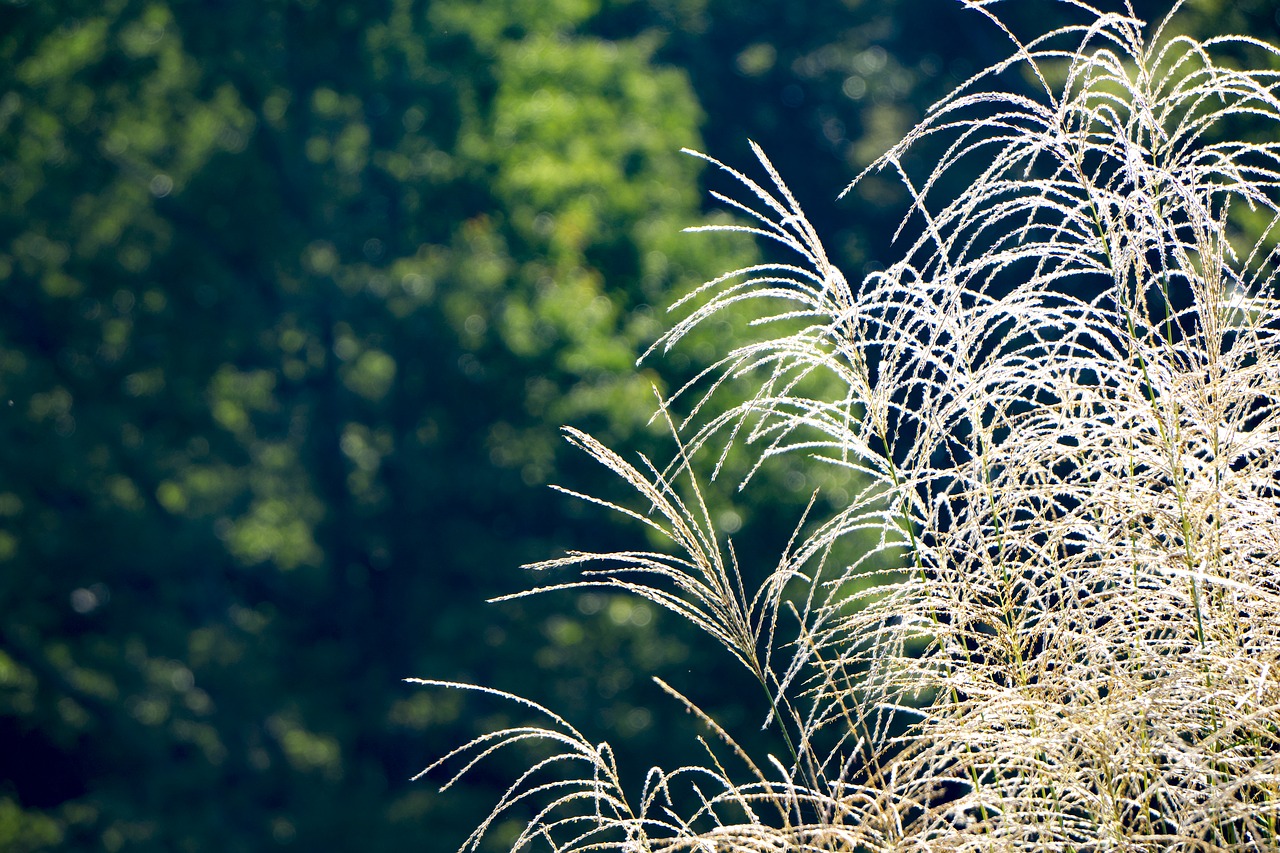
1062 403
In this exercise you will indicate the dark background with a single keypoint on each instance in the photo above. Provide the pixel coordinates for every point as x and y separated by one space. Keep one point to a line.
294 297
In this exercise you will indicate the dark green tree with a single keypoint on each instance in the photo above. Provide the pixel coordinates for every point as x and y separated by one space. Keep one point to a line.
294 295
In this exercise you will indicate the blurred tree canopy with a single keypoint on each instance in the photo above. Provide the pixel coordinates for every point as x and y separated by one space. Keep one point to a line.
294 296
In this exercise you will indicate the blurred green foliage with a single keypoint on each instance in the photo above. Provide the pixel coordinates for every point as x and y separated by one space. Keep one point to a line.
294 295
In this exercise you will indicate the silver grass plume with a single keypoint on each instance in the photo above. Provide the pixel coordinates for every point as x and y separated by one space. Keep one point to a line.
1062 403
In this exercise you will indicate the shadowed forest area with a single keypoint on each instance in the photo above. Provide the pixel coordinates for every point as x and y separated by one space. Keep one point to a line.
295 296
